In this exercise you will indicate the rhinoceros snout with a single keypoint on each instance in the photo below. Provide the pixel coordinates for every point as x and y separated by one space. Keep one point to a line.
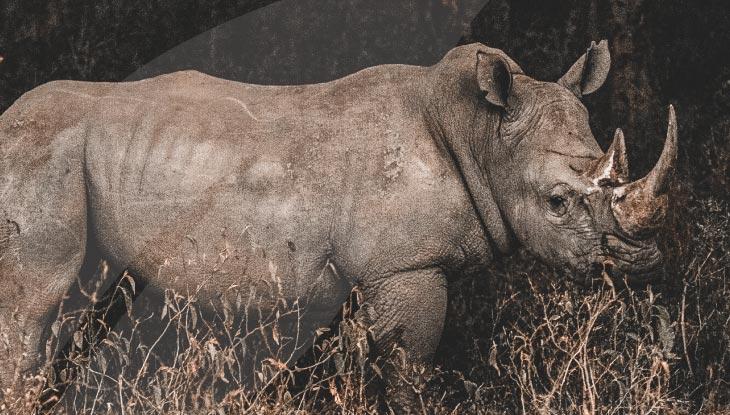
635 261
633 257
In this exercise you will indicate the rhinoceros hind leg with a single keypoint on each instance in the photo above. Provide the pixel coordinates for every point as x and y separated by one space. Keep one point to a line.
33 285
42 248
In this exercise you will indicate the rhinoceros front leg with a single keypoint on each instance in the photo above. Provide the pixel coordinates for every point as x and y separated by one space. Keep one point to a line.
405 312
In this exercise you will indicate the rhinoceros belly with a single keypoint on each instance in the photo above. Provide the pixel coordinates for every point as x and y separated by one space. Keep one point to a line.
195 205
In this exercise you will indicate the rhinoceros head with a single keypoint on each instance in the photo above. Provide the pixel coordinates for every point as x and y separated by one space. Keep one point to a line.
562 197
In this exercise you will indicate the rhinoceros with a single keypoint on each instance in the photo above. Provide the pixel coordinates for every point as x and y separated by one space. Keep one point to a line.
395 179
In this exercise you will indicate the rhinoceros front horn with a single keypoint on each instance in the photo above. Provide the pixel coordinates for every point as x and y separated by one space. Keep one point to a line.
640 206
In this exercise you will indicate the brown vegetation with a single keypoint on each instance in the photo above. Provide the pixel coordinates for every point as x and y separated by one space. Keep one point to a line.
539 343
521 339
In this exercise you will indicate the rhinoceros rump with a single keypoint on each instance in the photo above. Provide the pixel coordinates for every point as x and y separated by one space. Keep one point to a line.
395 179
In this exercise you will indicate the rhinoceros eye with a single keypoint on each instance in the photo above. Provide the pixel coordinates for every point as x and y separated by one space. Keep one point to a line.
557 205
559 199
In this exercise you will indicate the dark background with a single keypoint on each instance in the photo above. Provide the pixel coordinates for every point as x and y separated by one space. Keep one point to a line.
663 52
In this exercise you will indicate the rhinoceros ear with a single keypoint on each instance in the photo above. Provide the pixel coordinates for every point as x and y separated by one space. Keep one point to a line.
494 78
590 70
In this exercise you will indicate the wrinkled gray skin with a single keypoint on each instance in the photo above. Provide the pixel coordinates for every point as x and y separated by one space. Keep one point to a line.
395 179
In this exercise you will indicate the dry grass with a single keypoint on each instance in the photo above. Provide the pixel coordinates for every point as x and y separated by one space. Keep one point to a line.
540 343
522 340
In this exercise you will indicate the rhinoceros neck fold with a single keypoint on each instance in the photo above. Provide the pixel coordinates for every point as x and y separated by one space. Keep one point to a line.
462 126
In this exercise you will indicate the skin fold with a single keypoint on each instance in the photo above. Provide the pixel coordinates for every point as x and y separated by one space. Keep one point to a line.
396 179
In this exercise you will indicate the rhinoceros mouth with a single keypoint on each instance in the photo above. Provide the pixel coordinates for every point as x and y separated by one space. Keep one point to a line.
632 256
635 261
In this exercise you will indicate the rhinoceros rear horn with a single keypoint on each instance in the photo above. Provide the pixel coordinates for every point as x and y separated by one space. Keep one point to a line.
612 168
640 206
494 78
590 70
